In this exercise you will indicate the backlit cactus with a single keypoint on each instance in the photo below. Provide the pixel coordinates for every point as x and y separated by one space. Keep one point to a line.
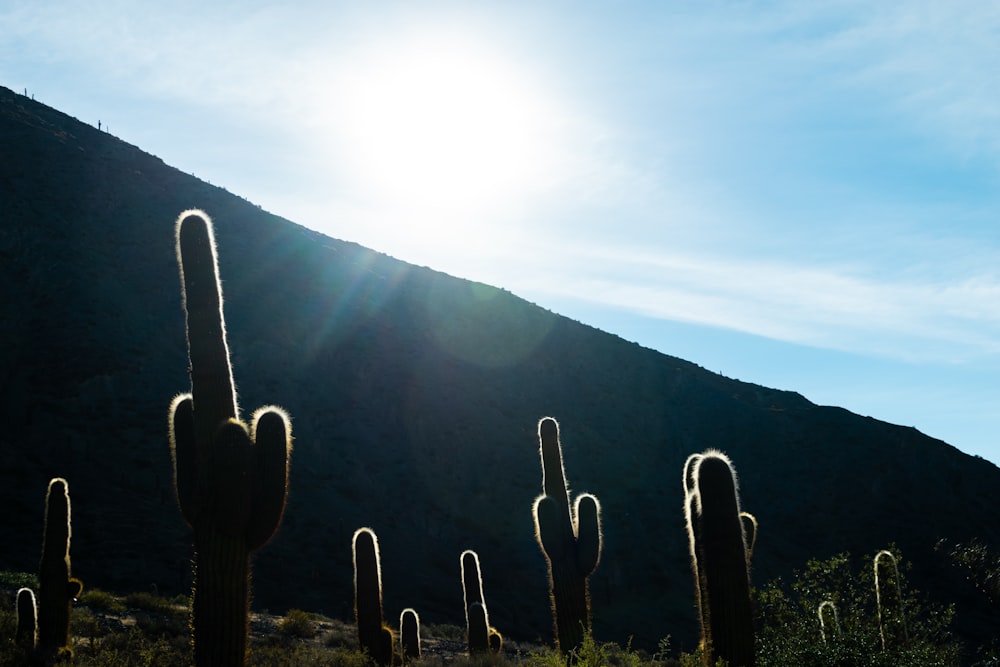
829 620
231 479
26 633
373 635
570 538
718 545
889 600
56 586
409 635
480 636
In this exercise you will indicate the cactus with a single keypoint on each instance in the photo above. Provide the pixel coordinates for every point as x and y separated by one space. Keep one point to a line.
231 480
409 635
27 621
829 620
373 635
480 636
570 538
715 529
56 586
889 600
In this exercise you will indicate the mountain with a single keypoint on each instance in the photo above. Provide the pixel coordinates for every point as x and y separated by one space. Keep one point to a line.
415 398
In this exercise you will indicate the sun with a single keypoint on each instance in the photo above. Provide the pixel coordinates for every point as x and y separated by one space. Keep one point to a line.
443 122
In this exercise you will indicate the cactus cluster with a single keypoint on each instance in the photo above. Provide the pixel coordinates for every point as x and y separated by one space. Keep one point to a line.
570 538
719 552
231 478
42 631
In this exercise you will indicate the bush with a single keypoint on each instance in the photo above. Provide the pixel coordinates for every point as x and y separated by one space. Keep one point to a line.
297 623
103 601
790 628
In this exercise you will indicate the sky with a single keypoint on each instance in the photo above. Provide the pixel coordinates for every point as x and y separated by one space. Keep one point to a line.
802 195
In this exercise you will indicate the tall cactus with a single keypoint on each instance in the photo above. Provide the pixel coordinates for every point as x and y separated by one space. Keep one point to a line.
889 600
231 480
373 635
480 636
569 537
715 528
409 635
56 586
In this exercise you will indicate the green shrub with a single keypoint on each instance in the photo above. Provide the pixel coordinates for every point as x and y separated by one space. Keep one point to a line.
103 601
297 623
15 580
790 630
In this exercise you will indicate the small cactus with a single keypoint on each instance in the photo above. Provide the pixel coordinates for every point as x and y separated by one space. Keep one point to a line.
26 634
480 636
374 637
718 543
829 620
889 600
231 479
409 635
570 538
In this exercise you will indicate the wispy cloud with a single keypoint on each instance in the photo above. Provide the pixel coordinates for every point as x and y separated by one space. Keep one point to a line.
828 307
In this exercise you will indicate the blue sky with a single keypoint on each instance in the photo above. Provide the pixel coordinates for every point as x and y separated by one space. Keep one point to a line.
804 195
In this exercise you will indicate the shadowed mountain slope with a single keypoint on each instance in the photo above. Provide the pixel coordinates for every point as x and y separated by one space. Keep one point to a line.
414 397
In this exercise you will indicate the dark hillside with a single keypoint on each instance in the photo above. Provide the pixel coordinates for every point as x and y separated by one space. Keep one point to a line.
415 397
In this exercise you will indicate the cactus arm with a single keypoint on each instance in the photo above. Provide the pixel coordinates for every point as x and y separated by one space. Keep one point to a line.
184 456
271 433
589 540
550 529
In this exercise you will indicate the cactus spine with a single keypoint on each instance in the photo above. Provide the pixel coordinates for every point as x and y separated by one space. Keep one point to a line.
889 600
373 635
570 538
480 636
719 546
56 586
231 480
409 635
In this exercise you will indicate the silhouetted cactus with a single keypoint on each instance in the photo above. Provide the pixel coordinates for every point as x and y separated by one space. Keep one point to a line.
56 586
829 620
570 539
889 600
480 636
373 635
231 480
719 546
27 621
409 635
